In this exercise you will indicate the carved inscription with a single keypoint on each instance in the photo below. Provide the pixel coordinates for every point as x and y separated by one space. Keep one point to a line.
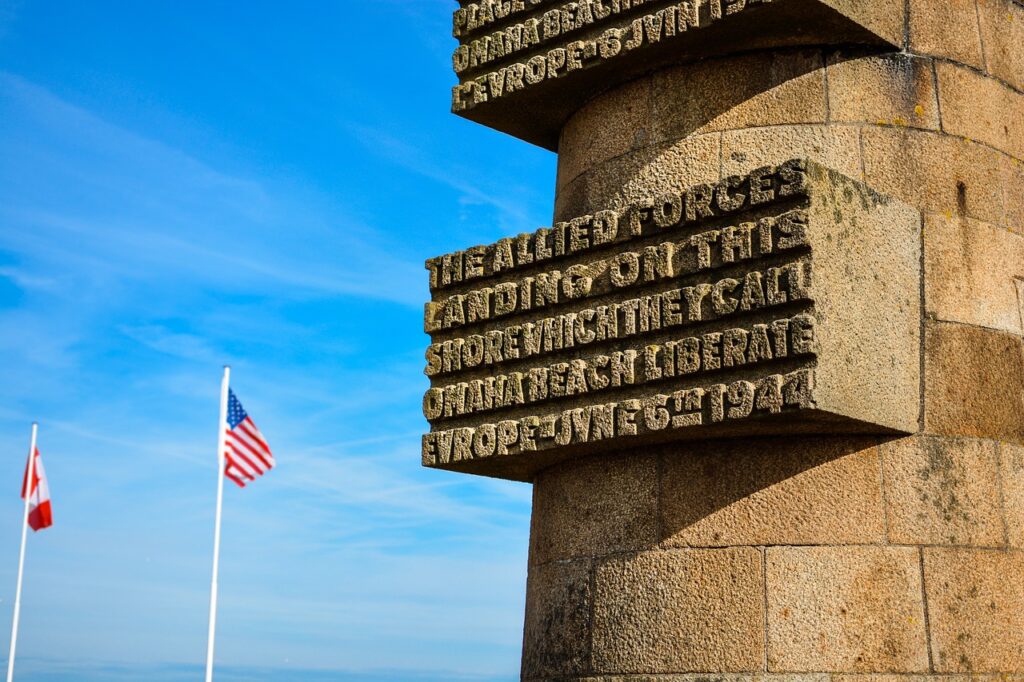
661 262
699 203
685 408
672 308
781 301
508 46
474 16
583 331
734 348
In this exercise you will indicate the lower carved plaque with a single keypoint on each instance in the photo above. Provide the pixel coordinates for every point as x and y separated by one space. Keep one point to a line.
784 301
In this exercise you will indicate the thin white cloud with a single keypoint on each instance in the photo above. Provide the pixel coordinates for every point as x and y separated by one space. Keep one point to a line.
163 340
25 280
148 210
513 213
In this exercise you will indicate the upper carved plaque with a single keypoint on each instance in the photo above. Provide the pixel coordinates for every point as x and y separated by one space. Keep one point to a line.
525 66
784 301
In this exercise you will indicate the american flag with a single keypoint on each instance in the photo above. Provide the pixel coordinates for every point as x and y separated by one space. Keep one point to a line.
248 454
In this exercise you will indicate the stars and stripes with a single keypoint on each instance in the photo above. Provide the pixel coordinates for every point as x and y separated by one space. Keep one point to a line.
247 453
40 512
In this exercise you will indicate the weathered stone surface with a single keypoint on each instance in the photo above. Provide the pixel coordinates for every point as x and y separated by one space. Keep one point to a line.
885 249
970 268
942 491
975 382
837 147
882 677
679 611
607 505
556 639
980 108
1020 298
799 491
1019 281
528 73
761 677
512 392
936 173
1002 34
1013 197
946 29
892 89
885 18
611 125
784 87
974 598
646 172
1011 470
845 609
800 677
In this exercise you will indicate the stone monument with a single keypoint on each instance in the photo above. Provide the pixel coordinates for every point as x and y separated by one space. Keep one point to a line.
765 367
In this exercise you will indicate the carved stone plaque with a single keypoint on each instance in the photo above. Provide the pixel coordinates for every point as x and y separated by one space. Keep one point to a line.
784 301
524 66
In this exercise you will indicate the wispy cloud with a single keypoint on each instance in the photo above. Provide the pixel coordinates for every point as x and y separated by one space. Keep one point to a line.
163 340
146 211
25 280
512 209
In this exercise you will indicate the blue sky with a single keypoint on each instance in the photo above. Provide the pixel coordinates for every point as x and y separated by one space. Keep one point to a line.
189 184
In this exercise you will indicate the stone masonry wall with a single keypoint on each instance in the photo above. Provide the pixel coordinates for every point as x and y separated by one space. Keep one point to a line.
810 557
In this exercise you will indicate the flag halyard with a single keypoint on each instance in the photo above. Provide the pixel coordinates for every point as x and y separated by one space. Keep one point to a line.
247 454
40 510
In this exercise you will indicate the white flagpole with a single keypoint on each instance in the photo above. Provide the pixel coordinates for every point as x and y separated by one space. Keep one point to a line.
21 558
216 532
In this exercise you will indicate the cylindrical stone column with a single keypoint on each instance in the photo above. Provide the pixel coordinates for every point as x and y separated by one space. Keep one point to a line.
815 555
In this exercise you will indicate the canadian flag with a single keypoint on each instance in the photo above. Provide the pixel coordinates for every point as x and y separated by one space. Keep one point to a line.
40 514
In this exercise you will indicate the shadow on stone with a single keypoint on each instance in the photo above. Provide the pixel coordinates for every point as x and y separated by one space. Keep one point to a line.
773 491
